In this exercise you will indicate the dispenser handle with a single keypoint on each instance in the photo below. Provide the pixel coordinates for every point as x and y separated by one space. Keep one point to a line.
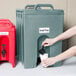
30 7
44 5
6 21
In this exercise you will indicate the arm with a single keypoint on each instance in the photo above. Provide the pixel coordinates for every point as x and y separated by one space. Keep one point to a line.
68 53
52 60
67 34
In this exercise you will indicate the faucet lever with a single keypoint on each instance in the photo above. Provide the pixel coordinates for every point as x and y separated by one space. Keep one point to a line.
3 51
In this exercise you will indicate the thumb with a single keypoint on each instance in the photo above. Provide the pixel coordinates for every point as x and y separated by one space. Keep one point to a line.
47 44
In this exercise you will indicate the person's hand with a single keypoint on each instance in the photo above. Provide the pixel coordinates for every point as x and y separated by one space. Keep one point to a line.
48 42
49 61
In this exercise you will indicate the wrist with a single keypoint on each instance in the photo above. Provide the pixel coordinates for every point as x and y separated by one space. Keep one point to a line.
56 59
56 39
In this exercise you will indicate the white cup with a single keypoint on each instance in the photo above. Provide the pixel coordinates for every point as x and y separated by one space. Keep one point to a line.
43 57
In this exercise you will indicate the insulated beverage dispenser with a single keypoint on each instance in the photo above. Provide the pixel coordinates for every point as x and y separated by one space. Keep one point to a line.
7 41
37 25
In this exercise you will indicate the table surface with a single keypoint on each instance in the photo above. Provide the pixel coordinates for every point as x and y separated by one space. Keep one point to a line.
67 69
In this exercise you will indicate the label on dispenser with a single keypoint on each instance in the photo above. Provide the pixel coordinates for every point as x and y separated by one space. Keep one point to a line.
4 33
44 30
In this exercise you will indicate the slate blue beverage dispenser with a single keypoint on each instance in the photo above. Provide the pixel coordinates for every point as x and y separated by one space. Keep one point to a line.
37 25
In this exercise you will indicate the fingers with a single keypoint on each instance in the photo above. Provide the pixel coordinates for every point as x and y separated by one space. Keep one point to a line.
44 63
45 43
47 62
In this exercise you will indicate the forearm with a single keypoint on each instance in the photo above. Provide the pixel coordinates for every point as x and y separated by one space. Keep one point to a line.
67 34
68 53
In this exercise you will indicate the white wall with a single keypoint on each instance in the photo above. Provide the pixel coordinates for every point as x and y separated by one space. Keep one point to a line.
8 10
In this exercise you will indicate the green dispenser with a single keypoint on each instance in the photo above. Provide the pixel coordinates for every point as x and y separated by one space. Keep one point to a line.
36 25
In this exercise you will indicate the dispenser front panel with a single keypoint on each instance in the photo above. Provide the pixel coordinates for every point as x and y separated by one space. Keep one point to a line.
36 29
4 48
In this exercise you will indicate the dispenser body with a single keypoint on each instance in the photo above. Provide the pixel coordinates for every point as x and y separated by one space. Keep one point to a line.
7 41
33 36
38 25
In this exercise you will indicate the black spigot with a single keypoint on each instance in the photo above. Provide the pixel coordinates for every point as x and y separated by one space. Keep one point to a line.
42 50
3 51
